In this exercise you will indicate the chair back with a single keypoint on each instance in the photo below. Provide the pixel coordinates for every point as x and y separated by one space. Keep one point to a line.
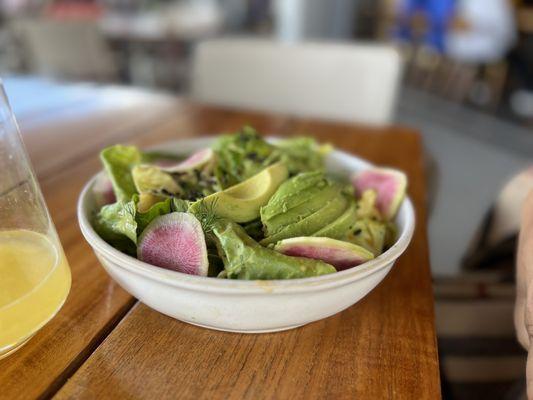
346 82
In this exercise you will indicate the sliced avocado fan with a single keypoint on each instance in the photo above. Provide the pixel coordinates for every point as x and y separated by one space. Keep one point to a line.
331 210
242 202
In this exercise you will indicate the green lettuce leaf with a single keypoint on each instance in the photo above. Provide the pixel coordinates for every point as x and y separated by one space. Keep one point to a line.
118 161
391 234
366 206
369 234
121 223
179 205
150 157
152 179
254 229
244 258
160 208
116 224
302 154
146 200
242 155
216 265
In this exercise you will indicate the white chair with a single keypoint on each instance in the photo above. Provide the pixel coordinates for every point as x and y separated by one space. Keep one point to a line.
345 82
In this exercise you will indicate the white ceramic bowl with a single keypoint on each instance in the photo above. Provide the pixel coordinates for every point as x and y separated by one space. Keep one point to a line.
245 306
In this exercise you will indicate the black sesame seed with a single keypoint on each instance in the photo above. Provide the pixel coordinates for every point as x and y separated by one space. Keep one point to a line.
252 156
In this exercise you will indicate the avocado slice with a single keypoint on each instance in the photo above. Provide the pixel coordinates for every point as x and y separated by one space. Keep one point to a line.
242 202
290 193
309 225
314 201
340 227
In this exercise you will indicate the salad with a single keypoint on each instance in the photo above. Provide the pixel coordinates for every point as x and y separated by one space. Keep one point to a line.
245 209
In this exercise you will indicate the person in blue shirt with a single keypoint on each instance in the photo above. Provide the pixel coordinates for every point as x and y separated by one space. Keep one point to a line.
438 14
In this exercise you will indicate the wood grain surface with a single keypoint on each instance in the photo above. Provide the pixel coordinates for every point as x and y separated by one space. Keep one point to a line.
103 344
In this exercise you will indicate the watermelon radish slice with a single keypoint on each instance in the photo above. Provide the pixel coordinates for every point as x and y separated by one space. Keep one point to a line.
342 255
195 161
175 241
103 190
389 185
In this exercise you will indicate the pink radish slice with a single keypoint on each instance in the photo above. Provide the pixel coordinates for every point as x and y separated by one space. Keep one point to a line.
175 241
164 163
103 190
341 255
389 184
196 161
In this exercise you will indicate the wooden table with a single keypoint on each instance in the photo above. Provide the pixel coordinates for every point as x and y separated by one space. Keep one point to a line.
105 344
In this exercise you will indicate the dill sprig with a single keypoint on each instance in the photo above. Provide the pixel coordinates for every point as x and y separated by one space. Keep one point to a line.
205 213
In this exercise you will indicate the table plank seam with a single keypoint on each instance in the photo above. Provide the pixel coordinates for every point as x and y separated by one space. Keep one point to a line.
91 347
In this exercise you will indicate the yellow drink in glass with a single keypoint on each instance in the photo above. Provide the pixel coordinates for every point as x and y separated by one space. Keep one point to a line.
34 274
34 283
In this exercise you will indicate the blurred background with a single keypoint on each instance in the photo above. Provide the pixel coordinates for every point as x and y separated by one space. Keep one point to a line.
464 79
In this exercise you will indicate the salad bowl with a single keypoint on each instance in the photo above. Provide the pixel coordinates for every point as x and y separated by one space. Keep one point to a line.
240 305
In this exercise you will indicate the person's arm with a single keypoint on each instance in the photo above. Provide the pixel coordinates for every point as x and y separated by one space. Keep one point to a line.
524 288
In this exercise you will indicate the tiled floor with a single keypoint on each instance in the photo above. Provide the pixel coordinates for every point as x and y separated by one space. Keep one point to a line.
475 154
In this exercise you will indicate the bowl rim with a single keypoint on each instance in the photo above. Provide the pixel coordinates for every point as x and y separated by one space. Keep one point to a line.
213 284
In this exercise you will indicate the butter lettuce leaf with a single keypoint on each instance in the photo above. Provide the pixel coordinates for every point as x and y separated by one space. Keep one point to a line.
116 224
179 205
254 229
121 223
155 157
301 154
245 153
118 161
242 155
244 258
152 179
370 234
391 234
144 218
146 200
367 206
